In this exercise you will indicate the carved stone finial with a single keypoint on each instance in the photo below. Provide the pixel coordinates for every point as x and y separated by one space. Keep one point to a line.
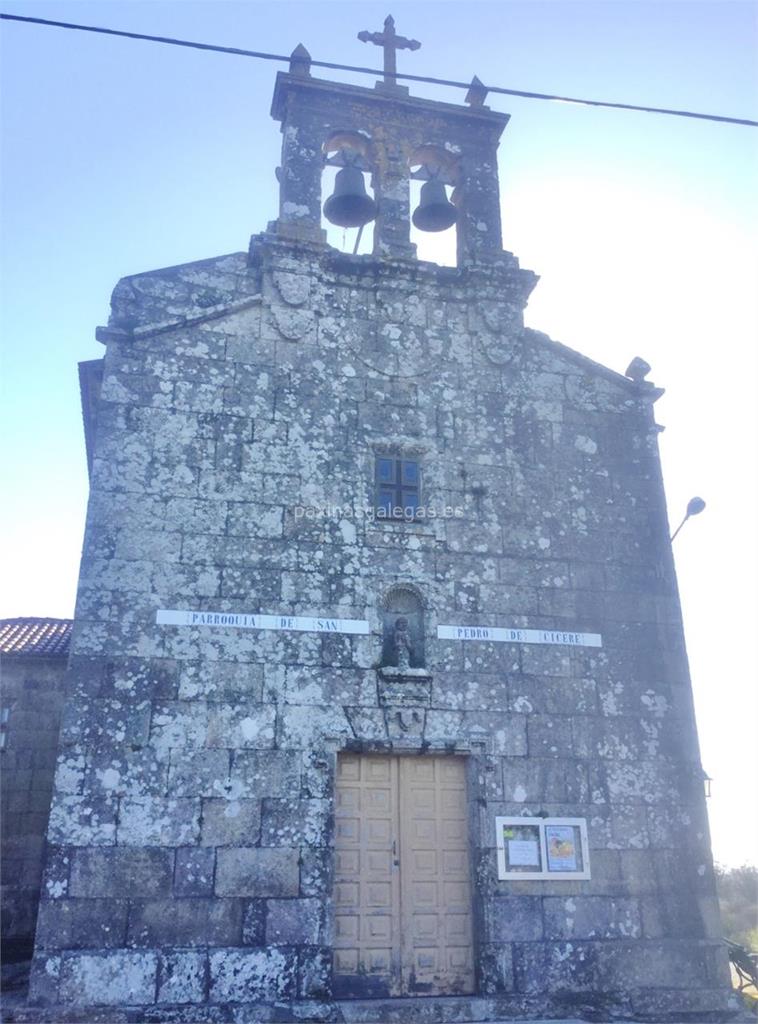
637 370
300 62
477 93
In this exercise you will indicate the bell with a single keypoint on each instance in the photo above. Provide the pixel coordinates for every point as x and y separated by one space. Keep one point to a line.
434 212
350 206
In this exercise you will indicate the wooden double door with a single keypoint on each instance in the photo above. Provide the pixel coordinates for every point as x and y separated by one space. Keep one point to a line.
402 887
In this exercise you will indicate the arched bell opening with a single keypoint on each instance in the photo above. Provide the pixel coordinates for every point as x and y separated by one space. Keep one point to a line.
434 173
349 207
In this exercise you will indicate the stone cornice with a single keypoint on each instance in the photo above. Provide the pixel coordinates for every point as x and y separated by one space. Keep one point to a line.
192 318
333 94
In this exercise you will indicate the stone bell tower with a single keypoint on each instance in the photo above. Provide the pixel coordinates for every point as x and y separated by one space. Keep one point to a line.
378 702
387 133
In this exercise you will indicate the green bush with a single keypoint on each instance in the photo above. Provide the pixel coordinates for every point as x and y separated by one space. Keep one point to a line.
738 898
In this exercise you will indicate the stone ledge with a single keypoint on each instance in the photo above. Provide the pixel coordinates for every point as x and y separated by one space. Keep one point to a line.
505 1009
243 1014
404 675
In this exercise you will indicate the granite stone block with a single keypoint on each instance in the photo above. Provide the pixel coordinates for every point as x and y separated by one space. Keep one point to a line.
230 822
239 975
195 921
591 917
182 978
118 978
193 873
257 872
514 918
121 871
81 923
296 922
270 773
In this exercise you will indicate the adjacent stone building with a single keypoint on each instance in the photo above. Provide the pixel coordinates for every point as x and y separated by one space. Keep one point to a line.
33 657
370 571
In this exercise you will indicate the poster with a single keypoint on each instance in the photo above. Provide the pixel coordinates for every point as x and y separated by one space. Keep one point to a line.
520 845
561 848
523 852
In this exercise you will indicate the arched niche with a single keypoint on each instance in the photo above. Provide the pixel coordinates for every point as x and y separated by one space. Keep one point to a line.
403 635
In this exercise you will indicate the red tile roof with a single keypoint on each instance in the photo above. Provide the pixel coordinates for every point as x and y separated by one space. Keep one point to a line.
35 638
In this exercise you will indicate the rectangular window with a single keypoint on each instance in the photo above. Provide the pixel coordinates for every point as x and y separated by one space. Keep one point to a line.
398 483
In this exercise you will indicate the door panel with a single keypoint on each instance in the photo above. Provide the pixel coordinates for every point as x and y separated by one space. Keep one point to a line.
402 893
437 944
366 881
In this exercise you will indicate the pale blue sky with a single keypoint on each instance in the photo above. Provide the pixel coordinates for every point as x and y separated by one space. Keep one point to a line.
120 157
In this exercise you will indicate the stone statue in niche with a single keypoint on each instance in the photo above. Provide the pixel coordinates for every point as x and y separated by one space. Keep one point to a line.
402 642
403 632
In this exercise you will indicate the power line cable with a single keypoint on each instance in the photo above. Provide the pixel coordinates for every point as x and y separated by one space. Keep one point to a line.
374 71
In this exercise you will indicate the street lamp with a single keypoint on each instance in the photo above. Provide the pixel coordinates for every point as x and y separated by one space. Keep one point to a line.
694 507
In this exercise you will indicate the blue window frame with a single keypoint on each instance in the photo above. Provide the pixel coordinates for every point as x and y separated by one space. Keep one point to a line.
398 486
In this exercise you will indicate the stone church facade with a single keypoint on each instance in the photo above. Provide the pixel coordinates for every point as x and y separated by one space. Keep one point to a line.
299 725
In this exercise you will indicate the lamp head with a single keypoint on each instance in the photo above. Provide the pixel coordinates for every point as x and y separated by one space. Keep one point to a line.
695 506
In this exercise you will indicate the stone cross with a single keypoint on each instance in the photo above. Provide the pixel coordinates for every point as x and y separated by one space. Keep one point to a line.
391 42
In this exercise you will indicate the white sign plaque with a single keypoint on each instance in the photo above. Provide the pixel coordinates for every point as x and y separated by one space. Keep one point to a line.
241 620
507 635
